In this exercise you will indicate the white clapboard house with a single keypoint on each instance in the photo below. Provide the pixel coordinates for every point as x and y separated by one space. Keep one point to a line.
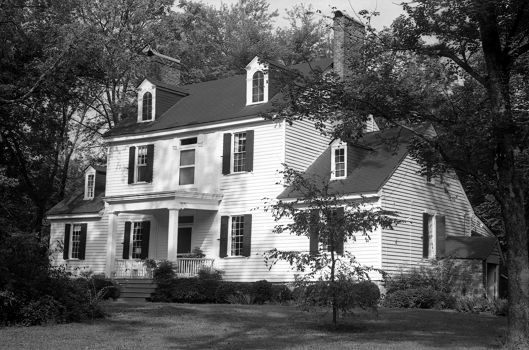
191 169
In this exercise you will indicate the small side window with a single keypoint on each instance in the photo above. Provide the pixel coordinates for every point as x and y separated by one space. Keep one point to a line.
147 107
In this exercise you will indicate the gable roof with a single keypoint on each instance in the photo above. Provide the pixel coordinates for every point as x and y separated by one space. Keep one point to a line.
463 247
208 102
370 163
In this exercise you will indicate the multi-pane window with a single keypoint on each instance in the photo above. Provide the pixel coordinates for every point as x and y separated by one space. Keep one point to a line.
237 233
75 241
137 240
339 162
239 151
147 107
141 164
258 87
90 186
187 161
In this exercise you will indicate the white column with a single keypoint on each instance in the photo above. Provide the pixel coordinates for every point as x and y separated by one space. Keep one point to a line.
111 243
172 235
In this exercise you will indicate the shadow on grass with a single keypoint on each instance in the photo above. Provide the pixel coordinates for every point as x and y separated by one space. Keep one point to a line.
194 327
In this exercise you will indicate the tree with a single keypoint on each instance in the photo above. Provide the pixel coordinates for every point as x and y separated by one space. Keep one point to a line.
465 78
317 211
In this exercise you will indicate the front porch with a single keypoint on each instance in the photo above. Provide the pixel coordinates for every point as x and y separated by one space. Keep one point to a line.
185 267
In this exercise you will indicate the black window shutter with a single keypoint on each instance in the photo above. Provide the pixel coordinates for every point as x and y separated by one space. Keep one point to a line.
425 237
339 237
132 163
66 241
224 236
145 236
150 162
313 231
440 235
247 235
248 162
226 154
82 242
126 240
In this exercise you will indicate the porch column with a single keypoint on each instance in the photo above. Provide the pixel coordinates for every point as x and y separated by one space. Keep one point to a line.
111 242
172 233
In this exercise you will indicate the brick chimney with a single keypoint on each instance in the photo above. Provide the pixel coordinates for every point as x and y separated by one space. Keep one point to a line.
348 40
166 69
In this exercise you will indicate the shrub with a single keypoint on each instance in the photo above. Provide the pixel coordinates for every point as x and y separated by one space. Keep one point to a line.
422 298
281 293
500 307
242 299
207 273
228 288
165 271
261 291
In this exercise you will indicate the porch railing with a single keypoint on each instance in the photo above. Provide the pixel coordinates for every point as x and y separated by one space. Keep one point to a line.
191 266
185 267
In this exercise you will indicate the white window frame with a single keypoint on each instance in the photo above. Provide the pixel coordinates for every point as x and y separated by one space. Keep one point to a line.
142 90
231 236
87 193
182 148
136 165
71 244
232 151
334 148
131 244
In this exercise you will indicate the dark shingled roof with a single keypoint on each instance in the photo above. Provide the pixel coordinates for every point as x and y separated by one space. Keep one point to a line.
462 247
75 204
370 163
208 102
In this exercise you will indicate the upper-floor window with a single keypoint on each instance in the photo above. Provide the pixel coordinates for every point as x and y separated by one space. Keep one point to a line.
146 113
187 161
90 184
339 161
258 87
74 241
238 152
141 163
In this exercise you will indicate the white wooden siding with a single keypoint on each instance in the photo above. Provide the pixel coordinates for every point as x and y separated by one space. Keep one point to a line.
303 144
96 241
410 195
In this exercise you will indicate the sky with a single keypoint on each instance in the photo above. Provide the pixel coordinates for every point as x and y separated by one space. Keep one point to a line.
389 9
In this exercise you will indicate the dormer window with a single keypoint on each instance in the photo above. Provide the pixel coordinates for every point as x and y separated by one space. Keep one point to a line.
258 87
339 161
257 84
89 189
146 113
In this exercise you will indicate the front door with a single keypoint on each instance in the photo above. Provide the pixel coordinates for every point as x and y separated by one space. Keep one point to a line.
184 240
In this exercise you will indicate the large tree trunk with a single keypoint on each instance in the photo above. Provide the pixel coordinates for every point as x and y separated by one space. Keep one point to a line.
512 207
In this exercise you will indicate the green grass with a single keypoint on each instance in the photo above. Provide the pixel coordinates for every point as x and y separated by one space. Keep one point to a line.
194 327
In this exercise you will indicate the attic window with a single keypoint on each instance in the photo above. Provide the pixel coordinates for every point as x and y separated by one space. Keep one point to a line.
89 186
147 107
258 87
339 162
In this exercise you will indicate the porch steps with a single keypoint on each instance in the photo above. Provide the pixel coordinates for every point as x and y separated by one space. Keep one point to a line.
136 289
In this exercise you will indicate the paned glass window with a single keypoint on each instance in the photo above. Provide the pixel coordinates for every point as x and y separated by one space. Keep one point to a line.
137 240
90 186
258 87
187 167
237 233
142 164
75 241
339 162
147 107
239 151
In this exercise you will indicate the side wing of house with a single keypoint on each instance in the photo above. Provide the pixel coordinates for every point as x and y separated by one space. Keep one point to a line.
431 210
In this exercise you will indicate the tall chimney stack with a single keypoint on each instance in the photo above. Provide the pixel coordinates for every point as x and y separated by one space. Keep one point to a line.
348 40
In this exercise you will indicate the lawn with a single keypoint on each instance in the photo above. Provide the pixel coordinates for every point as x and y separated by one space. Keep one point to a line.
194 327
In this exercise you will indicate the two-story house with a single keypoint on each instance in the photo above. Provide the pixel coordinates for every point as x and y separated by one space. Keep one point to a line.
192 169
